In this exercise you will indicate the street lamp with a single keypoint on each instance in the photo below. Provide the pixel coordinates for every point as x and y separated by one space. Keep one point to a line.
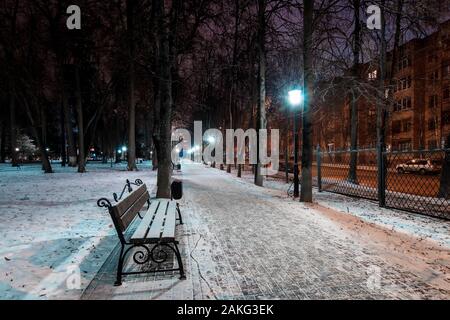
295 98
124 149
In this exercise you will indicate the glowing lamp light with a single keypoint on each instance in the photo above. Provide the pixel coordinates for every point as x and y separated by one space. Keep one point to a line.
124 149
211 140
295 97
17 149
119 151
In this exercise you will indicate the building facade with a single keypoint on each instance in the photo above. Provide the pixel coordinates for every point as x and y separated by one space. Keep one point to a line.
418 115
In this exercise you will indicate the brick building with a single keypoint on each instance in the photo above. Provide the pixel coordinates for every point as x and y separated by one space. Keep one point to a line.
419 113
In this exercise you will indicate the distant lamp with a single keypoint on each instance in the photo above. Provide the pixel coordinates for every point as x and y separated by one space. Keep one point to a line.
119 151
47 149
17 149
124 149
295 97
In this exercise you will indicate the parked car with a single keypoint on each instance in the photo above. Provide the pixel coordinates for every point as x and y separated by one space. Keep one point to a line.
422 166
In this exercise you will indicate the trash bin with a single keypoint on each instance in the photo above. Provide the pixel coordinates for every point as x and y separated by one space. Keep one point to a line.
177 189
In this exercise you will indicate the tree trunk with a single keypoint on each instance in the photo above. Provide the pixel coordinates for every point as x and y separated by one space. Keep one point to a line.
163 139
12 125
46 166
63 139
79 107
156 115
132 100
3 143
72 153
307 149
381 110
12 98
261 113
352 174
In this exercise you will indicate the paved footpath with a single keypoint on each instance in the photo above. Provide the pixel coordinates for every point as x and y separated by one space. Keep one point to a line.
240 241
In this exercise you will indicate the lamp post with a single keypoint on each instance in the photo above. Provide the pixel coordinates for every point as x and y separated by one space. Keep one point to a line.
295 98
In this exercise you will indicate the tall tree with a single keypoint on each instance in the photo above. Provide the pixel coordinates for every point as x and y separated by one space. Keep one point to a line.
46 165
261 121
79 108
12 125
307 146
352 175
381 107
2 141
131 4
12 100
67 114
162 135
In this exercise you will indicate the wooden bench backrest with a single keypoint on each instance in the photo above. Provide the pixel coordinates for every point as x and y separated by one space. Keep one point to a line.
126 210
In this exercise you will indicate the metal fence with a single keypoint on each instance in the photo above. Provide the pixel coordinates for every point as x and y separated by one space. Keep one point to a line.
414 181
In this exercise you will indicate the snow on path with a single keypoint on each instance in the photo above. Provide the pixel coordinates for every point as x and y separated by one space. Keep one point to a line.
52 228
239 241
423 227
256 243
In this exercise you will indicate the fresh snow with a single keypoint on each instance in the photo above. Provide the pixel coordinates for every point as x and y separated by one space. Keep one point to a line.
50 224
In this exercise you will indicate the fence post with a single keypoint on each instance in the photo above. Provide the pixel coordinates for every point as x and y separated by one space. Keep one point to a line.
319 168
381 176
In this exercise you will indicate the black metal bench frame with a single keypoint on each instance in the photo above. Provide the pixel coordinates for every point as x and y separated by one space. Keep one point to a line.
144 254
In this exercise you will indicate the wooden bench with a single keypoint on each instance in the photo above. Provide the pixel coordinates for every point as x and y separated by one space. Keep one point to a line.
154 236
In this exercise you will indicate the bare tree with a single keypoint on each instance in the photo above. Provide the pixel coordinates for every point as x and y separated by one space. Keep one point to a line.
261 121
79 108
307 147
162 134
131 84
352 175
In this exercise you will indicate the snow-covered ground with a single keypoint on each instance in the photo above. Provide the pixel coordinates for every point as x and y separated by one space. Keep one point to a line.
51 228
423 227
247 242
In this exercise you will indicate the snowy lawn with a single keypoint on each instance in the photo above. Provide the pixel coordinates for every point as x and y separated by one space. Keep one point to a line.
51 228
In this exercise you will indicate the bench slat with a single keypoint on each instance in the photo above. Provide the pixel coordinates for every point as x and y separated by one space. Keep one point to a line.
131 213
157 225
169 225
127 209
143 227
131 198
